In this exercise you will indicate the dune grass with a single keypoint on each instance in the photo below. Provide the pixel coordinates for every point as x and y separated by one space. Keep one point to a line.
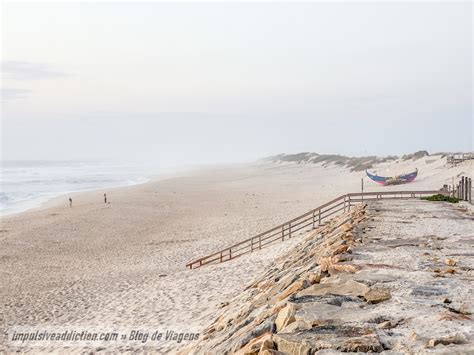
439 197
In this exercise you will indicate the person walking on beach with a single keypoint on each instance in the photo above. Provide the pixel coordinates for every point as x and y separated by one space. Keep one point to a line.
105 198
70 202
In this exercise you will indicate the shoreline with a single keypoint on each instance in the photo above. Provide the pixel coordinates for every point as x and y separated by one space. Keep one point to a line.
45 202
42 202
188 171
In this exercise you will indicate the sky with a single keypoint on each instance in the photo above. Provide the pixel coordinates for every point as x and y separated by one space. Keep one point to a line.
184 83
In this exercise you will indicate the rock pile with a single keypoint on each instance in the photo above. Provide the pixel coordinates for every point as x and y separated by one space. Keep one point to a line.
304 301
330 294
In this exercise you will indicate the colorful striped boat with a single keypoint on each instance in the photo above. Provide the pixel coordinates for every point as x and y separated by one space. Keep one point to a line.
395 180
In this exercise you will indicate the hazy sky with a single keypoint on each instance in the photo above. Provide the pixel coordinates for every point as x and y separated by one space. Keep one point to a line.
192 83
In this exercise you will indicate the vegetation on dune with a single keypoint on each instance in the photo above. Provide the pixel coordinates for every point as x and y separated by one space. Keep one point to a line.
415 156
353 163
440 197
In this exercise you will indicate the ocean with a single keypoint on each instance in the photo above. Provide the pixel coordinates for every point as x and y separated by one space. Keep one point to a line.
28 184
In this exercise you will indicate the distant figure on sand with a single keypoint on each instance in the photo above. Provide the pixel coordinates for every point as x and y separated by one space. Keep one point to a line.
70 202
105 198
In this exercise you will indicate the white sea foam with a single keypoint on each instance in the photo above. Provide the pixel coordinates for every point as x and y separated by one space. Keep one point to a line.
28 184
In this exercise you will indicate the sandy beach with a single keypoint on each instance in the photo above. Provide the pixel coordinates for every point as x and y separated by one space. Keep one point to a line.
122 265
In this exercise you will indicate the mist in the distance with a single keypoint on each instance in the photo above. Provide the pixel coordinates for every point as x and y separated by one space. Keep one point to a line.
201 83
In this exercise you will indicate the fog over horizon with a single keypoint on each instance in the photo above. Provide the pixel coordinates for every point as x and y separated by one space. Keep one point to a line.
191 83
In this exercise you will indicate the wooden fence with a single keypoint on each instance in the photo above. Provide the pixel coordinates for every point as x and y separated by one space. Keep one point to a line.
309 220
455 159
462 190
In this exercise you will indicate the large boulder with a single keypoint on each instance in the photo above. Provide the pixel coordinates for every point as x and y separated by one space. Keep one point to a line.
341 338
322 314
377 295
285 316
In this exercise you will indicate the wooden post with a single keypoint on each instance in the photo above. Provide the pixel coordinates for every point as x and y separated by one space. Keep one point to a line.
282 232
462 188
469 190
466 185
344 203
466 189
289 230
314 218
221 257
349 198
230 254
251 245
319 217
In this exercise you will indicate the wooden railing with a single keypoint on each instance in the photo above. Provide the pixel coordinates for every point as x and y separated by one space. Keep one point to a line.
310 219
463 190
455 159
